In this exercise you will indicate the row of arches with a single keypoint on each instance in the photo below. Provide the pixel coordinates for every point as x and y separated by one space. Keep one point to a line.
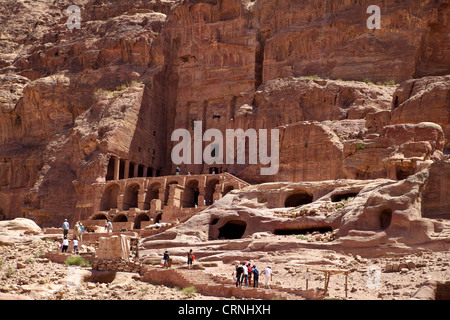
190 195
123 218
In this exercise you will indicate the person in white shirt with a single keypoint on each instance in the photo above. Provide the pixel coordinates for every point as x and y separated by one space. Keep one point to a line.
75 246
267 276
245 274
65 245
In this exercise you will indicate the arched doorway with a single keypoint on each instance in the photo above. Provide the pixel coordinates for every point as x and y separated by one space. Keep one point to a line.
190 194
109 197
209 191
139 219
120 218
152 193
166 193
130 199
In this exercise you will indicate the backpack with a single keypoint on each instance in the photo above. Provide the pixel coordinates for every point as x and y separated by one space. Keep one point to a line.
255 271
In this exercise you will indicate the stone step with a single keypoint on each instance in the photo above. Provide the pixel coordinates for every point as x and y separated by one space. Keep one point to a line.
203 282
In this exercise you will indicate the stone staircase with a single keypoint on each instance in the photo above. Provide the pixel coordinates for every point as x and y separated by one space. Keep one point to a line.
217 286
242 183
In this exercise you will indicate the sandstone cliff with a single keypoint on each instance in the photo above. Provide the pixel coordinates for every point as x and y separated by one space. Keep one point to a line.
137 70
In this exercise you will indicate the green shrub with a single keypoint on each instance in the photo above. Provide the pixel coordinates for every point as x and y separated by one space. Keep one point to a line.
390 83
77 261
189 291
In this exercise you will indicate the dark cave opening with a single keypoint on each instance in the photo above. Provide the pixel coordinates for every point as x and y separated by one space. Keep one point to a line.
385 218
343 196
298 199
294 231
233 229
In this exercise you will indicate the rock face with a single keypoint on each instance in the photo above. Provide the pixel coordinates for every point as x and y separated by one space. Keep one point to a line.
425 99
76 101
17 230
381 213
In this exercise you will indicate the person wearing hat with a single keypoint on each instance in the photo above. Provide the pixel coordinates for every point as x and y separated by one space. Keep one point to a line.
65 228
267 277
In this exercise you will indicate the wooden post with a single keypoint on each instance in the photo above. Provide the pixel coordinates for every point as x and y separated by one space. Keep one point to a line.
307 278
327 280
346 279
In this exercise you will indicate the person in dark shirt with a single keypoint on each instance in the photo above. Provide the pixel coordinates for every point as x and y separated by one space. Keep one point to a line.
239 272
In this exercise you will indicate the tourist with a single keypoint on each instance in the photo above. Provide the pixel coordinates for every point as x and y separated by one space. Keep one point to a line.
166 258
239 272
268 277
75 245
65 245
65 227
77 230
245 276
255 273
249 268
190 257
108 226
82 231
177 171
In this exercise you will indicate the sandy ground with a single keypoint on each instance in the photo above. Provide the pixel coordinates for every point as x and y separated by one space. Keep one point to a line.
367 278
25 273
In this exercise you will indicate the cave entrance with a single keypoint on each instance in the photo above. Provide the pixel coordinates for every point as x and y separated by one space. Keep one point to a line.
294 231
233 229
343 196
385 218
404 173
298 199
